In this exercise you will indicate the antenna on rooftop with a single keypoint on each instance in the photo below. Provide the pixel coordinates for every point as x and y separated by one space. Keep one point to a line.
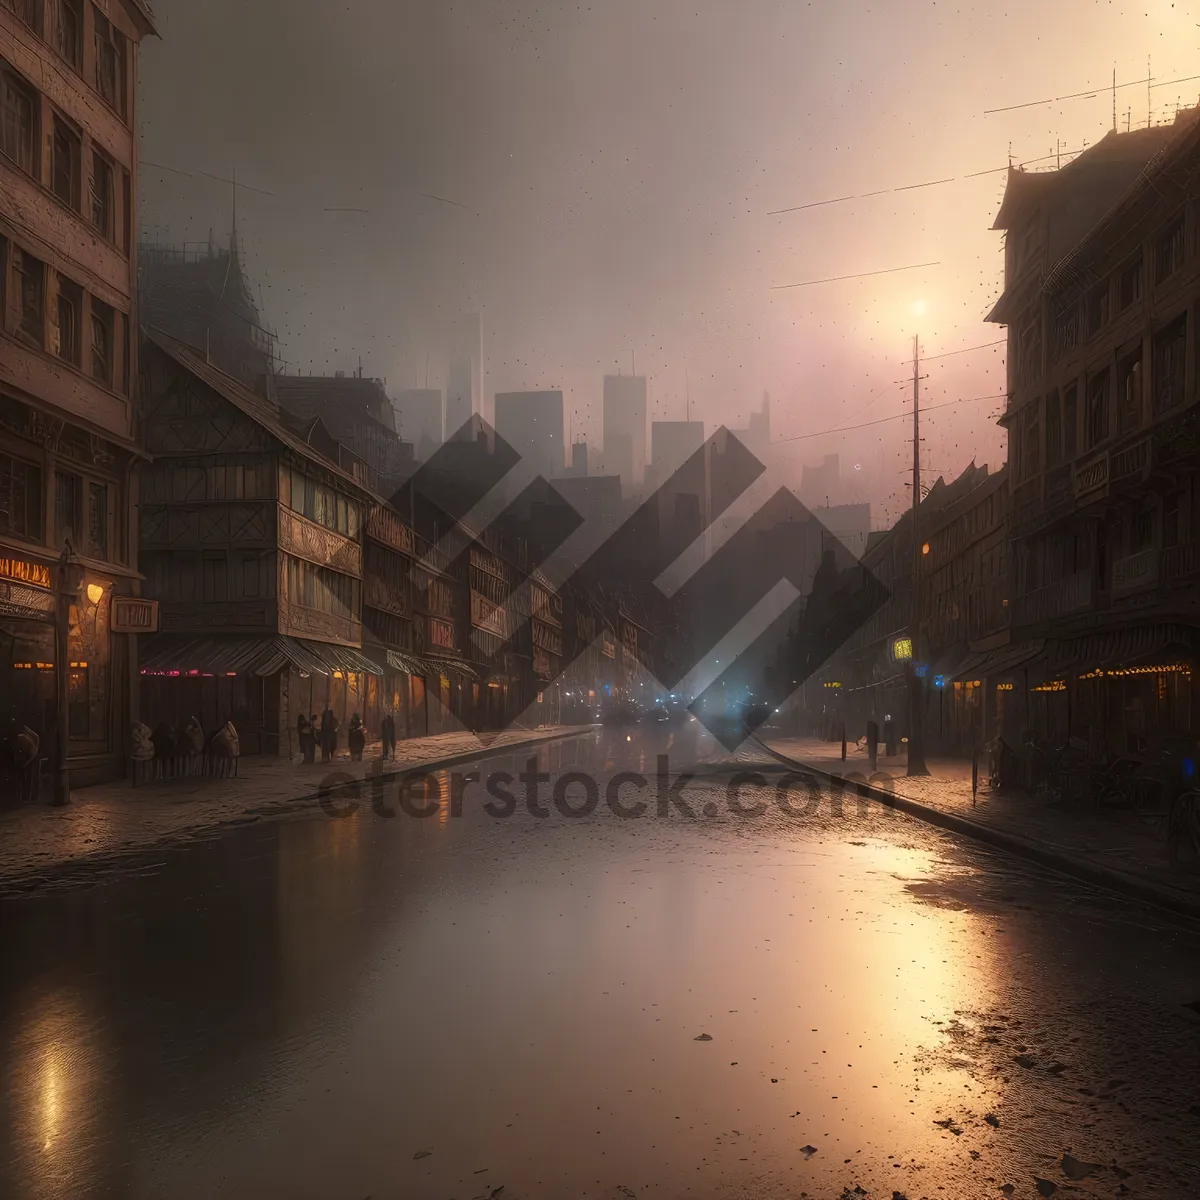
1114 97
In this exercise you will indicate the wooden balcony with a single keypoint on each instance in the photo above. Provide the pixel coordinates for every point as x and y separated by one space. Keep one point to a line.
1091 477
1179 563
1136 572
299 621
308 540
1057 600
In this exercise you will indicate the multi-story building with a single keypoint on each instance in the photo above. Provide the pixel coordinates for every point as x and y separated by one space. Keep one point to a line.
1102 287
532 424
68 368
962 524
199 293
464 379
419 419
625 428
252 541
358 413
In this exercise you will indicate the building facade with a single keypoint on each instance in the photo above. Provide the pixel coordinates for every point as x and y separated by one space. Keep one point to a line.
252 541
1104 455
68 368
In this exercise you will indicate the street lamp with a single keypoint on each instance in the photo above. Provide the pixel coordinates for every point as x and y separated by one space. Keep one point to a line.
70 580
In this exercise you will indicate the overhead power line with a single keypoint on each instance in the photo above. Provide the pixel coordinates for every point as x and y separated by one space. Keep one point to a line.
801 437
1103 89
861 275
965 350
910 187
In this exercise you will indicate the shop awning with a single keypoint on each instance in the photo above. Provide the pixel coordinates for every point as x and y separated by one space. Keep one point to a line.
178 654
452 668
410 664
339 658
1119 647
996 662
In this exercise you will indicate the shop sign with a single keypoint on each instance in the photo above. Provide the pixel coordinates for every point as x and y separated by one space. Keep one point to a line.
832 684
132 614
25 572
17 600
902 649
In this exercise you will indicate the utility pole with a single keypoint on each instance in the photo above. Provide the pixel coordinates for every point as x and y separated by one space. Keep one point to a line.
916 696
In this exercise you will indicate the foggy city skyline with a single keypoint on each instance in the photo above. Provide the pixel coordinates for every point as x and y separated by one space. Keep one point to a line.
615 167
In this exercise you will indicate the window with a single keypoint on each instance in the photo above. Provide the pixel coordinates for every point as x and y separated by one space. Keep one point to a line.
29 11
31 279
20 499
110 61
97 543
103 199
1066 331
102 342
1097 309
70 308
1141 531
68 508
1053 430
1031 452
1129 393
1168 256
69 32
215 578
1169 349
250 572
1129 284
18 123
1097 409
126 212
1170 520
1070 424
64 163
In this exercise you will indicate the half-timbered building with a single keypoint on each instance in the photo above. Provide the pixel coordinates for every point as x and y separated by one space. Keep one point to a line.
252 540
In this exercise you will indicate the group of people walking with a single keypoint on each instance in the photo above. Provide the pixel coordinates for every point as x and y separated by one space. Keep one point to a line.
324 734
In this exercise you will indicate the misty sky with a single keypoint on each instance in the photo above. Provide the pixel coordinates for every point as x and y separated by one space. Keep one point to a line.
616 162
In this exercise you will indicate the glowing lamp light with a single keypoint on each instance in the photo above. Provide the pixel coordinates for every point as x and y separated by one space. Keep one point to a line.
902 649
95 593
925 548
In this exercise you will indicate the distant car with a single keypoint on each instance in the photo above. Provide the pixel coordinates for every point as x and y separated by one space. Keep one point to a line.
620 712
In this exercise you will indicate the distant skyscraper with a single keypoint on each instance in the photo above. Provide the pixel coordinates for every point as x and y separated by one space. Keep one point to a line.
625 427
464 382
682 505
756 436
532 424
419 419
578 466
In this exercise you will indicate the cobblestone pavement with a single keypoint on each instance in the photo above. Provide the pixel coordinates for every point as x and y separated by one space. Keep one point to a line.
1117 841
104 825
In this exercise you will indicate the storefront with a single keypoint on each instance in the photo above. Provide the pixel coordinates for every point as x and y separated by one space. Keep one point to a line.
261 684
1124 692
97 663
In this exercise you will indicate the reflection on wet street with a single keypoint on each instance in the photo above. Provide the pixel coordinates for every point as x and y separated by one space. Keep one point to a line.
720 1005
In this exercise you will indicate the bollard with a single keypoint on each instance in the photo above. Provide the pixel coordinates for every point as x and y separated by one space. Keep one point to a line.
843 741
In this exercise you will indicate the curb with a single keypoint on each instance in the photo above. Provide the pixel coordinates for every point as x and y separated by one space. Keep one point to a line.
311 799
1034 851
80 872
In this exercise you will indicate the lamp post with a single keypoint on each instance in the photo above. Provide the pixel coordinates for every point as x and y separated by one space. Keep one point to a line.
70 576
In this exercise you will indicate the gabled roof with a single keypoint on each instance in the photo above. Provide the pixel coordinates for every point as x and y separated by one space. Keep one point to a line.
340 400
259 410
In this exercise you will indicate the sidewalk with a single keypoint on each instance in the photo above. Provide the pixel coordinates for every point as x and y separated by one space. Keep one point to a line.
104 824
1116 850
